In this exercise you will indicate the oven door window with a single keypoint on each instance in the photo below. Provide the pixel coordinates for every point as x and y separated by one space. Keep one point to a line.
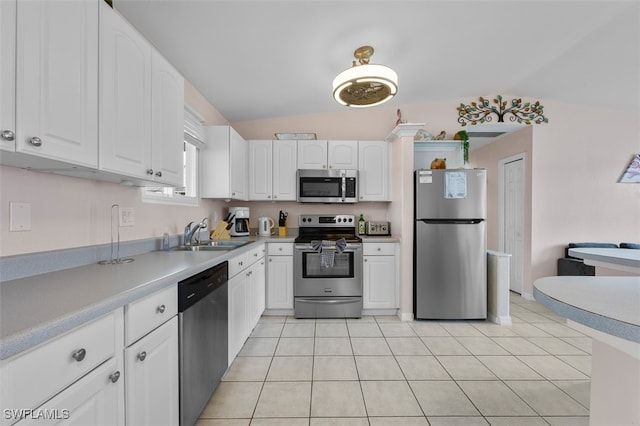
321 187
312 266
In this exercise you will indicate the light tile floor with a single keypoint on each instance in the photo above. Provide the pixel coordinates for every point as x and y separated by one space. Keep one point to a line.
380 371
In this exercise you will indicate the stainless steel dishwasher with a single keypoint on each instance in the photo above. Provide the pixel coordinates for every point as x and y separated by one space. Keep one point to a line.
203 321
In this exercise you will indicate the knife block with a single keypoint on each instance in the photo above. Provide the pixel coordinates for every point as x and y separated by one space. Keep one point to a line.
221 232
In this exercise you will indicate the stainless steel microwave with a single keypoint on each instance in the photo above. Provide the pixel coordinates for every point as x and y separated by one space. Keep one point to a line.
327 186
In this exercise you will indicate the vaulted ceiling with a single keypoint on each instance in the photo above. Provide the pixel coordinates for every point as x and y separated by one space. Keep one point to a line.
261 59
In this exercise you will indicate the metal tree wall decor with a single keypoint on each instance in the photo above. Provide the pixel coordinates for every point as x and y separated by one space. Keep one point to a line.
476 113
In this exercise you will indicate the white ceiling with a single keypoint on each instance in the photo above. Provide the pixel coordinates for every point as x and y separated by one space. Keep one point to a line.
261 59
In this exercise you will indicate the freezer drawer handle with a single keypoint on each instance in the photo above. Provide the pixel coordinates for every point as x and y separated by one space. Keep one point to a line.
329 301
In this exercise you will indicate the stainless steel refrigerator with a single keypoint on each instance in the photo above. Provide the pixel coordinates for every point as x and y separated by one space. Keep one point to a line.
450 242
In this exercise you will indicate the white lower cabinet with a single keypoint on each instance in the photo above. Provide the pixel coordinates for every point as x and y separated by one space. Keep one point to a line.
246 296
380 284
93 400
238 316
279 276
79 371
151 359
152 377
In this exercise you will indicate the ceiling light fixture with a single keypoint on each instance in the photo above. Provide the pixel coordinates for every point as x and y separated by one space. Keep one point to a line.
365 85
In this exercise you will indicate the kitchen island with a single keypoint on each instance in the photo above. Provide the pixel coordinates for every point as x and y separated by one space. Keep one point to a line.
608 310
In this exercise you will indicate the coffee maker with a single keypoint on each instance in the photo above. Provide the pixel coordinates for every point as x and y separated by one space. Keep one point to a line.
240 221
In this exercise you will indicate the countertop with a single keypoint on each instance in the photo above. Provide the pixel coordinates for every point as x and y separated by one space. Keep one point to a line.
379 239
607 304
624 259
37 308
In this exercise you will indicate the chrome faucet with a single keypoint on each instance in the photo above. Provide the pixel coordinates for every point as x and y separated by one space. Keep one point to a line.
190 231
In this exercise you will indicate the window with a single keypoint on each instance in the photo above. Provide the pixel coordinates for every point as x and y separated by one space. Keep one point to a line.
188 194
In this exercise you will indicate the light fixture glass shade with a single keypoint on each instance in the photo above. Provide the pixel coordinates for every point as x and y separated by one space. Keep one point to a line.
365 85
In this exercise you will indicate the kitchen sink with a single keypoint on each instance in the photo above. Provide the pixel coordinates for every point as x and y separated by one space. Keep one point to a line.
213 246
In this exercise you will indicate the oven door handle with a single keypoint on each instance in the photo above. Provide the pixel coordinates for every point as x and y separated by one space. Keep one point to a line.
329 301
308 247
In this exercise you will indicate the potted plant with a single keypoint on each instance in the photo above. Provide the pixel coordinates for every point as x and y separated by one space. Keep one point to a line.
463 136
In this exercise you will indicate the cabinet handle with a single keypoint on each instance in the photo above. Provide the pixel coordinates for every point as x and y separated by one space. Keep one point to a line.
269 196
365 260
35 141
379 249
79 354
114 376
161 309
150 172
270 260
159 174
255 254
280 248
240 263
8 135
275 196
142 355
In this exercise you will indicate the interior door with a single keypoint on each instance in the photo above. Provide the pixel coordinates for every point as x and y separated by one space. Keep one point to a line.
514 221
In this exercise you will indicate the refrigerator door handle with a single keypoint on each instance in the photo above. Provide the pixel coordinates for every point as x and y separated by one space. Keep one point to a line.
452 221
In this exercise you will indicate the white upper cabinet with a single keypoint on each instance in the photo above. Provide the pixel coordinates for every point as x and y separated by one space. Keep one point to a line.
312 154
56 79
141 106
272 170
125 98
167 121
8 75
284 170
373 171
343 154
224 162
260 170
322 154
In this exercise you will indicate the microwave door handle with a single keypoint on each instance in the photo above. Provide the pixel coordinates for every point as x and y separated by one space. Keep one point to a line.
344 187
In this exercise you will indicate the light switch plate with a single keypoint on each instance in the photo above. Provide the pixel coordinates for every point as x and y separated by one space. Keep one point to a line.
127 217
19 217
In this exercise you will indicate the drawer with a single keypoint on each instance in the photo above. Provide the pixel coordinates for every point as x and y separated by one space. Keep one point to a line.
257 253
238 263
144 315
378 249
30 379
280 249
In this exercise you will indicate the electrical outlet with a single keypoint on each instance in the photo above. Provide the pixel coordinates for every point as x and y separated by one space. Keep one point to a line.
127 217
19 217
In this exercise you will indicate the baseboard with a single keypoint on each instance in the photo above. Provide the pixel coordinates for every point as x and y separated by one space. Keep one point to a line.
500 320
527 296
405 316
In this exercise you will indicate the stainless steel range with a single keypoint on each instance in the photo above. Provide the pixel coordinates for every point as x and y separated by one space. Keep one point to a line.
327 267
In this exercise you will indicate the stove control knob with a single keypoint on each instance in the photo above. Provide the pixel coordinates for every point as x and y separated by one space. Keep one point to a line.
350 219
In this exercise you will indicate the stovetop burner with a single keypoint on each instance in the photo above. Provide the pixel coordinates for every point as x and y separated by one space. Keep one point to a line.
327 227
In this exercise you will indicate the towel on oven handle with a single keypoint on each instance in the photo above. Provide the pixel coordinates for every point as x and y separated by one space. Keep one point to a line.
327 250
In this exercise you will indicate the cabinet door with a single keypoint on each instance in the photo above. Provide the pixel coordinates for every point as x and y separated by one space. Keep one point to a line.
57 80
8 75
343 154
238 164
95 399
125 97
167 122
373 170
238 314
152 377
312 154
256 293
260 170
284 170
379 275
280 282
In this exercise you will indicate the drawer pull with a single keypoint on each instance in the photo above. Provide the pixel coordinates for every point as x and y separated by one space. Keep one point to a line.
161 309
114 376
142 355
79 354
